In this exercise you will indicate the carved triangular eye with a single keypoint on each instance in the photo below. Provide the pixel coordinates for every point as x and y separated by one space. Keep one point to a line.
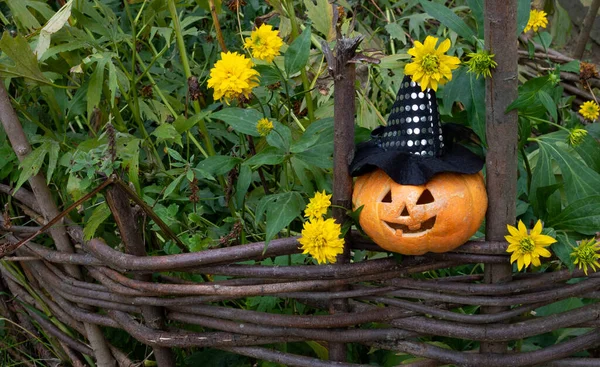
388 197
425 198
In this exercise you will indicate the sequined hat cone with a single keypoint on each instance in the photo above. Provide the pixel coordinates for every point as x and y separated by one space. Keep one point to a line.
413 146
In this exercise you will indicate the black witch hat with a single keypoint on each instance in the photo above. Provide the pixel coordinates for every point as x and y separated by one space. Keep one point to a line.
413 146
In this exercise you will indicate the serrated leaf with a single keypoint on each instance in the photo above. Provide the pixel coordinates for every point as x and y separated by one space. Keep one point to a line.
321 16
396 31
286 207
22 15
99 215
580 181
581 216
297 54
449 19
94 90
25 61
167 133
243 120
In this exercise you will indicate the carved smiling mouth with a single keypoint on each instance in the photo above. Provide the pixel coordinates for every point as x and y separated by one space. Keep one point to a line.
406 231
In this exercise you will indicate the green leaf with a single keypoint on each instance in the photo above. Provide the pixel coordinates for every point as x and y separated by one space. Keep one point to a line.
470 91
528 92
280 137
563 248
167 133
94 91
25 61
297 54
396 31
320 350
173 185
449 19
321 16
580 181
183 124
476 7
476 112
571 67
131 161
559 307
268 74
523 10
243 183
589 151
99 215
548 103
285 208
30 166
218 164
242 120
581 216
53 150
269 156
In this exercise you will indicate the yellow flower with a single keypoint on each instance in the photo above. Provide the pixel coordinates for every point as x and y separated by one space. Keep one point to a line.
537 19
264 43
430 67
527 248
317 206
232 77
481 63
576 137
321 239
589 110
586 254
264 126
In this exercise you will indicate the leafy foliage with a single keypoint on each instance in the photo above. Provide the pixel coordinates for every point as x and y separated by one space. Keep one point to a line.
203 166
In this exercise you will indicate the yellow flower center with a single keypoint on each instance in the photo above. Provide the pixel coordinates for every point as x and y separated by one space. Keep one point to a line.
430 63
527 245
320 242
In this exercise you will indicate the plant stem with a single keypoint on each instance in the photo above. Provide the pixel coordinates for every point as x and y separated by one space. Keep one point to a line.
303 75
213 12
188 73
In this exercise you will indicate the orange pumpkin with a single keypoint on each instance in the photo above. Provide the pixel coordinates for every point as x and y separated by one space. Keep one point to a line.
438 216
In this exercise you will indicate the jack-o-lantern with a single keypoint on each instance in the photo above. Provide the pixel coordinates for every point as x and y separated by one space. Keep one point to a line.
437 216
420 191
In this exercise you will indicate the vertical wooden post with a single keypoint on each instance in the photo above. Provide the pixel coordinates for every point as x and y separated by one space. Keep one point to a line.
586 29
501 130
344 75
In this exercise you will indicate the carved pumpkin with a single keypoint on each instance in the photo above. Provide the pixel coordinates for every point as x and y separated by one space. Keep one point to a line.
438 216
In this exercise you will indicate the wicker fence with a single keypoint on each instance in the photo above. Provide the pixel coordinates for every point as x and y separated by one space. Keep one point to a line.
92 285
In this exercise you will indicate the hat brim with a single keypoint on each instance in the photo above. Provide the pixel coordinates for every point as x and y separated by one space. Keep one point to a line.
409 169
